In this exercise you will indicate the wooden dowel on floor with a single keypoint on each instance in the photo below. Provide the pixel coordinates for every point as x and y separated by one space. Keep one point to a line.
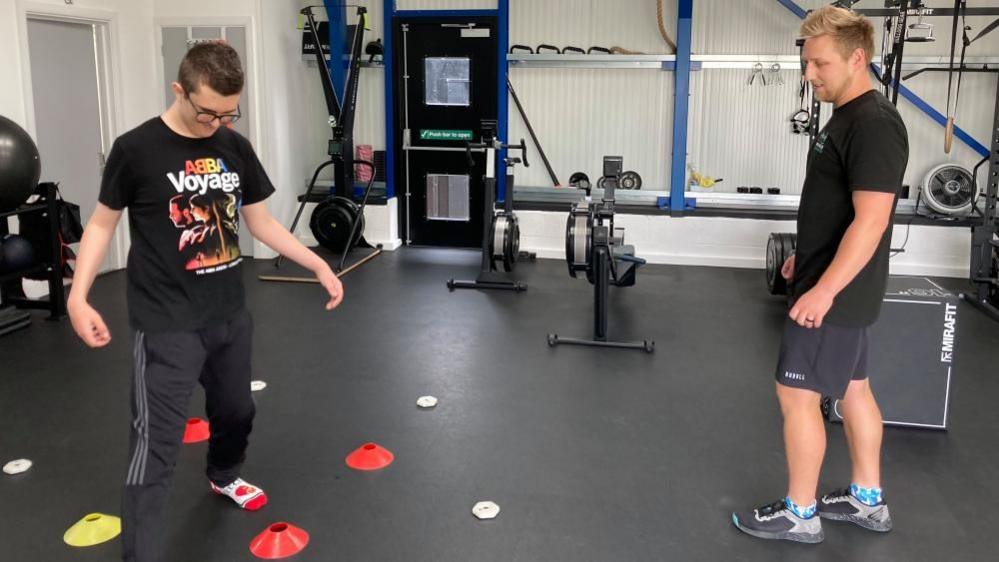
289 279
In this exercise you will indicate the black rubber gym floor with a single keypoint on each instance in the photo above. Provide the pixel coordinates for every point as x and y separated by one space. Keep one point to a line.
590 454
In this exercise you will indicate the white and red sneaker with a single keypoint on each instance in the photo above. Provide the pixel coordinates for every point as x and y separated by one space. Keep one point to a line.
246 495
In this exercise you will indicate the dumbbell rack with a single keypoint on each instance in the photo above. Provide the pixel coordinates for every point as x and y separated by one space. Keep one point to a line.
11 295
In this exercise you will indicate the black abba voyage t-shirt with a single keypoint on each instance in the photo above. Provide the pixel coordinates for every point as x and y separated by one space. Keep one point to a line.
183 197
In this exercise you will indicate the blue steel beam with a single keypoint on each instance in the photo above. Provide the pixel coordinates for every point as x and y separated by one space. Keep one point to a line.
935 115
502 98
389 74
681 102
694 65
791 5
336 14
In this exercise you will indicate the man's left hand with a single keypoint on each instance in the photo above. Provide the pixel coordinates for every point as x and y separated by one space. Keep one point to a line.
812 307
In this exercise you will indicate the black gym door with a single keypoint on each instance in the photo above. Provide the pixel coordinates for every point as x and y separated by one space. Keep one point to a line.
451 87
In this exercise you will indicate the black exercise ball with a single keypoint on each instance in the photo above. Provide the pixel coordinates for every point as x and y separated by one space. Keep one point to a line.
19 165
17 253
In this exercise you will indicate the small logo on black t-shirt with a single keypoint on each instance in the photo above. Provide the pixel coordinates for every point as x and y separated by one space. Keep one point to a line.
794 376
820 143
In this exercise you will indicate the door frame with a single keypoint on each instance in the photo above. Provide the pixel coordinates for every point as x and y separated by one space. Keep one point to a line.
252 77
393 159
107 51
414 165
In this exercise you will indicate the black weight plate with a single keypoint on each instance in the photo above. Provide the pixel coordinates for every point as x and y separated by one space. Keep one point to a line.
314 220
355 211
332 221
771 265
785 248
792 239
780 246
788 243
630 180
580 180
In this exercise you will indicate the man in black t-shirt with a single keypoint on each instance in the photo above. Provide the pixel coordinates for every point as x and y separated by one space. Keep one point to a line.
184 178
837 281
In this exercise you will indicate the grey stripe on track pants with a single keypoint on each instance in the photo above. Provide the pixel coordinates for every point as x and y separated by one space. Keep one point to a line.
167 366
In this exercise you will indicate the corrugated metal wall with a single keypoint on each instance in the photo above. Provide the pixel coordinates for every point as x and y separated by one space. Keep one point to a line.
725 27
727 116
736 132
742 133
630 24
764 26
581 115
926 137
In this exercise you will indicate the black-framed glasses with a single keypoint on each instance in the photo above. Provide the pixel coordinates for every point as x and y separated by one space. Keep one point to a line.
204 116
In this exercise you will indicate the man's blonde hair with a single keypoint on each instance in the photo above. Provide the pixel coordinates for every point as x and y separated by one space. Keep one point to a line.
848 30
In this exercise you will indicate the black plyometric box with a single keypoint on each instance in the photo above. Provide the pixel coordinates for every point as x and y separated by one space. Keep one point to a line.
912 354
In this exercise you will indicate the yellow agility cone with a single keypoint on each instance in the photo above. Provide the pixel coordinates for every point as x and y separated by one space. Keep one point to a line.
93 529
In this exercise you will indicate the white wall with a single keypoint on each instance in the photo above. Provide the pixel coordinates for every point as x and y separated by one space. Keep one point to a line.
12 61
581 115
285 150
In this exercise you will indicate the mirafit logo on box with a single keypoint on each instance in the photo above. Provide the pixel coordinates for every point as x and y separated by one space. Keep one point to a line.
947 345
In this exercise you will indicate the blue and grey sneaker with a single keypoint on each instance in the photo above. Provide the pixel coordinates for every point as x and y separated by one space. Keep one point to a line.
841 505
777 521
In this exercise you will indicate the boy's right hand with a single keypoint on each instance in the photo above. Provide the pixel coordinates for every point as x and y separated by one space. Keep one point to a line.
88 324
332 284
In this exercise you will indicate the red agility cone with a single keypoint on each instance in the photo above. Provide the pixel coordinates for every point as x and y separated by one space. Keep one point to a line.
196 431
370 457
280 540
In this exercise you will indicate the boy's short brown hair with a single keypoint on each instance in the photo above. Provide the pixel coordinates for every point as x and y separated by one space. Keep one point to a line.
214 64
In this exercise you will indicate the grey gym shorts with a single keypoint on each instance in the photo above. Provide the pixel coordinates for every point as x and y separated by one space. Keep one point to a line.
823 359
